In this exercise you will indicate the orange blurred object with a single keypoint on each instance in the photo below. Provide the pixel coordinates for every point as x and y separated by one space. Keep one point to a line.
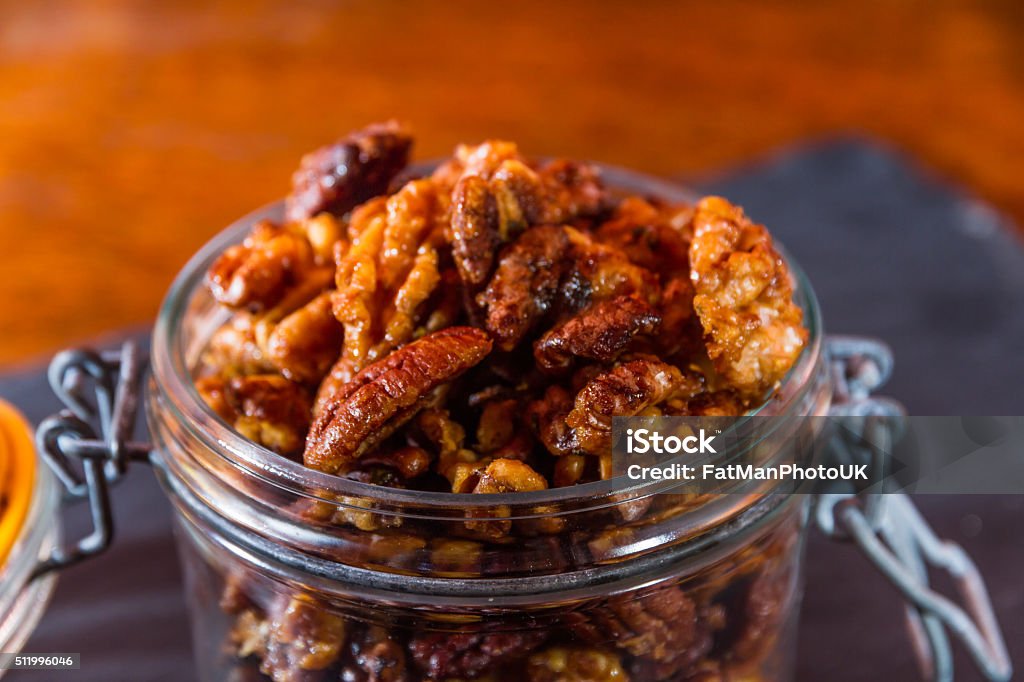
17 476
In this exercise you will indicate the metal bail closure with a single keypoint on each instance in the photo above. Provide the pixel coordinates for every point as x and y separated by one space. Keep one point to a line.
101 395
891 532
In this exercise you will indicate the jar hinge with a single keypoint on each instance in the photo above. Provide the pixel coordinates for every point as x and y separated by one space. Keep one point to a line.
888 528
101 393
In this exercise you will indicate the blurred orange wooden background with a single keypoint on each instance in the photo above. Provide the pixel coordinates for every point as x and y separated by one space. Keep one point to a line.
133 131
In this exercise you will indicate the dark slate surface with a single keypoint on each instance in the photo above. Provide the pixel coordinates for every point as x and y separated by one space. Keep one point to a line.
893 253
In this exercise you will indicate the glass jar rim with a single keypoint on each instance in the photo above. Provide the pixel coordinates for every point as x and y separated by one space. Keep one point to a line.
173 379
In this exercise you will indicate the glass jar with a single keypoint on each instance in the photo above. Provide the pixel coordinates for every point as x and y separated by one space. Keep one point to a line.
35 532
294 574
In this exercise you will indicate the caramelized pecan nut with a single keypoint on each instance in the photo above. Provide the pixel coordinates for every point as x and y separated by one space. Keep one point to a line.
653 237
595 272
570 190
664 631
340 176
525 284
499 196
474 229
387 393
601 332
765 601
625 391
442 656
499 423
500 476
547 416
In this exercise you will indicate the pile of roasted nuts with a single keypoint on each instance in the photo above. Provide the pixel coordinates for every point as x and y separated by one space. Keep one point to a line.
475 330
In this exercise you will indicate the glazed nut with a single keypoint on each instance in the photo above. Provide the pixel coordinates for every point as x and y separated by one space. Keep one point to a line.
744 298
602 332
338 177
525 284
547 416
664 631
441 656
626 390
257 273
388 393
500 476
499 424
388 270
474 229
304 344
304 635
574 664
265 408
509 476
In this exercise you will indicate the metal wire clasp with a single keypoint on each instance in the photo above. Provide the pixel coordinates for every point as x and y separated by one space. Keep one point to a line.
891 532
99 390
